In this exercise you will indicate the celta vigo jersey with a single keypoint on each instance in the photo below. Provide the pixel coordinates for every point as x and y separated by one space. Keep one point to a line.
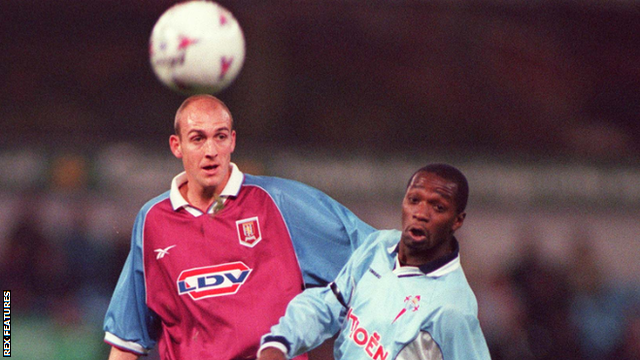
385 311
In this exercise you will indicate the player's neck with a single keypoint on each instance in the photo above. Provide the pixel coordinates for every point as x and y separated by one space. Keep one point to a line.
408 257
201 199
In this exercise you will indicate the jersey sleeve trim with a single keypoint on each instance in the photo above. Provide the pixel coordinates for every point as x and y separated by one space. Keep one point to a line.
124 345
277 342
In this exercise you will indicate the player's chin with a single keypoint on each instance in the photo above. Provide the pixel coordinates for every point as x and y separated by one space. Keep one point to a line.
210 181
414 242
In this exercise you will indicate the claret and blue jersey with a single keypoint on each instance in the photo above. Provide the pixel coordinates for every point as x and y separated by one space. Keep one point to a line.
200 285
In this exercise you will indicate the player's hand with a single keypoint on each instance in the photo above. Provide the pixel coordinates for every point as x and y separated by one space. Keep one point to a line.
271 353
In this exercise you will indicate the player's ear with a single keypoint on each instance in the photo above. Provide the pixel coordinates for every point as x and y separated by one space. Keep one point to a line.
459 221
174 144
233 140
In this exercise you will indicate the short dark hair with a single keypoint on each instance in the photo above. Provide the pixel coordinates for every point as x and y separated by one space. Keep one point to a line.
452 174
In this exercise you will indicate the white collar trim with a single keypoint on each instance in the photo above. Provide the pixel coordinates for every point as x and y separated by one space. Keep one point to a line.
447 268
231 189
414 270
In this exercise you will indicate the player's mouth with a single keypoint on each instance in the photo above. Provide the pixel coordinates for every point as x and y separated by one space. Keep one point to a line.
210 168
417 233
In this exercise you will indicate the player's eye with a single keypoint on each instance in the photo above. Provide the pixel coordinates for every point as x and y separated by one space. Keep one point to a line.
197 138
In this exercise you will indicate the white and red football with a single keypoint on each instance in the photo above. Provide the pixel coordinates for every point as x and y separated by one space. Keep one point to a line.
197 47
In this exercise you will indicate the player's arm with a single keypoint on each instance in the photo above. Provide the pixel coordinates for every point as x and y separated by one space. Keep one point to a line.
271 353
129 324
117 354
323 231
312 317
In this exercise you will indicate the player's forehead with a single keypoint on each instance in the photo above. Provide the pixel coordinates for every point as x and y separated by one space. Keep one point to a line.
205 114
432 183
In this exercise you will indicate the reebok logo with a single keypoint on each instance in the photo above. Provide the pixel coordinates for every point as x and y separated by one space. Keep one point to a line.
163 252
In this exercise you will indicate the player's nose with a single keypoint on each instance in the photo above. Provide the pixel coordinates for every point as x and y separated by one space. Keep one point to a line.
421 213
210 148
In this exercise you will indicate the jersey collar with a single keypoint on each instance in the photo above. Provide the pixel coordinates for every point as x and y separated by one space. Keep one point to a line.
231 189
435 268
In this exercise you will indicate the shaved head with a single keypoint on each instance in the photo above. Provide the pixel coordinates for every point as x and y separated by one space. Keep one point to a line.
203 101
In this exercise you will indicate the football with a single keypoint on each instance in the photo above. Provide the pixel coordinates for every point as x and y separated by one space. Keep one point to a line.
197 47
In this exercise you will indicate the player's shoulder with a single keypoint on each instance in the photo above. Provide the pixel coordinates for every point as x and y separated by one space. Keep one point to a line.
164 197
385 239
455 294
264 180
277 185
457 313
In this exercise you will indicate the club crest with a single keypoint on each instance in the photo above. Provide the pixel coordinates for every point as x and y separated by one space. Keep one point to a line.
411 304
249 233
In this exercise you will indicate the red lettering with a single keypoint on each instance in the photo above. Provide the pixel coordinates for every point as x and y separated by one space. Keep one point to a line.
354 320
373 343
380 354
360 340
361 337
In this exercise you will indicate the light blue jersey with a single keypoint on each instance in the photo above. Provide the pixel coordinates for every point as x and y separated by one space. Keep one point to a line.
384 311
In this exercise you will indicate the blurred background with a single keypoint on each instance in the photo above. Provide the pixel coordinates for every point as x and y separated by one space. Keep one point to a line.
538 102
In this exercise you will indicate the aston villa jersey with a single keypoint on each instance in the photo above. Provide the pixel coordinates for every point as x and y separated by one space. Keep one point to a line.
209 285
